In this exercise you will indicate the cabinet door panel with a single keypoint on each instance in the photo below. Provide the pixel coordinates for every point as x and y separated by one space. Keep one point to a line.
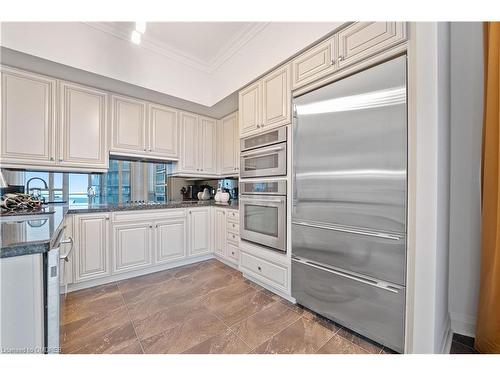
170 240
28 118
276 101
131 246
92 247
363 39
229 131
189 142
199 228
129 125
250 109
220 232
314 63
163 131
207 145
83 127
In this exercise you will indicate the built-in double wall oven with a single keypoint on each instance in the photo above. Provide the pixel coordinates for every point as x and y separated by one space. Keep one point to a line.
263 189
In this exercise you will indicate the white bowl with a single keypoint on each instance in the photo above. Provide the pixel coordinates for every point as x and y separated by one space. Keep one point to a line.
224 197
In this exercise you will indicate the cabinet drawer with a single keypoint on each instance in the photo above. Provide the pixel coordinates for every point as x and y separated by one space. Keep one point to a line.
271 273
233 252
313 64
363 39
233 226
148 215
233 215
232 237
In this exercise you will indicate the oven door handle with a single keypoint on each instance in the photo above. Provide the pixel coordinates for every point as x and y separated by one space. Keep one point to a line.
270 200
264 151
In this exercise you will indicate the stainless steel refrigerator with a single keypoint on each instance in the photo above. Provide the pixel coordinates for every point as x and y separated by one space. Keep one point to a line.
349 201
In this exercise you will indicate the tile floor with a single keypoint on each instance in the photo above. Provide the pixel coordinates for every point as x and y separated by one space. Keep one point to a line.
205 307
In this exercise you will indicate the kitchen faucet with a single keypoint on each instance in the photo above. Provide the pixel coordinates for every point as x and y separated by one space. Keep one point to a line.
36 189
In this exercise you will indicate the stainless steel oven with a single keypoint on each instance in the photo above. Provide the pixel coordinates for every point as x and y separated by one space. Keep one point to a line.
263 213
264 155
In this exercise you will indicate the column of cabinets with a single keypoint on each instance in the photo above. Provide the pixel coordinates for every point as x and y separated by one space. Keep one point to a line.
265 104
143 129
226 241
50 124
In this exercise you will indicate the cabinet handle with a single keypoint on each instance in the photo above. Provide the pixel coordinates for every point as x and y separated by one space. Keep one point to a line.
332 62
156 226
60 159
150 226
107 219
258 267
341 58
190 212
258 126
232 252
144 149
52 159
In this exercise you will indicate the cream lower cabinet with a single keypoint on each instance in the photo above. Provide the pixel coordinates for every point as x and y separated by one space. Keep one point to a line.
132 246
220 232
92 246
170 240
226 233
199 231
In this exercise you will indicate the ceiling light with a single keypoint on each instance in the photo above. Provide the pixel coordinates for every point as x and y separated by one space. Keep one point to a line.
135 37
140 27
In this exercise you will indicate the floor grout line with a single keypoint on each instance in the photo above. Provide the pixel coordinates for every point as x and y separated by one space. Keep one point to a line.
130 319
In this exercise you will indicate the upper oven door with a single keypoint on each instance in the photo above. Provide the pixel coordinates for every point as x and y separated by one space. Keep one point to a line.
264 161
263 220
264 139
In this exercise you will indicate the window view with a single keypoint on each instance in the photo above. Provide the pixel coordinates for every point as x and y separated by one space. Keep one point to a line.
124 181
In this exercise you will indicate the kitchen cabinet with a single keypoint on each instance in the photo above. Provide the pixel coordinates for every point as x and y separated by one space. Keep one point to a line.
317 62
28 118
163 132
220 232
92 246
363 39
132 246
128 125
199 231
198 146
207 148
229 145
170 240
82 127
266 104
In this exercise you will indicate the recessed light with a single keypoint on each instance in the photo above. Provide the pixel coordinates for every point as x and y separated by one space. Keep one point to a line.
135 37
140 27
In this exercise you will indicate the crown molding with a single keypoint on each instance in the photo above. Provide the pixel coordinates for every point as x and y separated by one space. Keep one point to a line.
238 41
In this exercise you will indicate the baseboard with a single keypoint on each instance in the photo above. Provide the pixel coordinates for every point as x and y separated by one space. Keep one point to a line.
270 288
447 338
463 324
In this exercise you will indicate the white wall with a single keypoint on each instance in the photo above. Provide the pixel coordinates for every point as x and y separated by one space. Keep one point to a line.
428 325
466 140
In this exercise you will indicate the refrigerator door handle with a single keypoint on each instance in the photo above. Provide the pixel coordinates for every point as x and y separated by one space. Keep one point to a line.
346 230
393 288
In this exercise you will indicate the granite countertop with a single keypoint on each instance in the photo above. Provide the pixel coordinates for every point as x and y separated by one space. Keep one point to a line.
33 232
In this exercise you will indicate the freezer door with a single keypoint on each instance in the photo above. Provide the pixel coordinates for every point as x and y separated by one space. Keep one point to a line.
350 151
379 255
374 311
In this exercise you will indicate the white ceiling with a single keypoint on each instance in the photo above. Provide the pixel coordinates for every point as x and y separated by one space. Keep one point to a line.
202 62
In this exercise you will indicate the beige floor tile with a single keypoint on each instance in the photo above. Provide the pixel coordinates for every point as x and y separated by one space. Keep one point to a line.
139 282
224 343
114 340
340 345
359 341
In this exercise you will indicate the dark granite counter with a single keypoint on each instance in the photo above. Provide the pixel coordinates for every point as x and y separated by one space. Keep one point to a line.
33 232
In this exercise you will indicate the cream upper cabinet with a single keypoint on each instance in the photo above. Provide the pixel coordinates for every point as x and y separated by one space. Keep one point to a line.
28 118
276 98
266 104
92 246
170 240
220 232
163 132
128 130
207 145
199 231
363 39
132 246
229 145
82 127
249 109
314 63
189 142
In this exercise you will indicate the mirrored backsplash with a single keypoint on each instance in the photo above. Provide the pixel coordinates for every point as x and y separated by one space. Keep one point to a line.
125 181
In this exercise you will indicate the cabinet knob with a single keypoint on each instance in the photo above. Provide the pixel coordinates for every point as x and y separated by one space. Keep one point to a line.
332 62
60 159
341 58
232 252
144 149
258 267
190 212
52 159
258 126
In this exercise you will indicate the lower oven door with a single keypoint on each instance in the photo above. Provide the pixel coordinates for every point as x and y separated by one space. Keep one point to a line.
264 161
263 220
